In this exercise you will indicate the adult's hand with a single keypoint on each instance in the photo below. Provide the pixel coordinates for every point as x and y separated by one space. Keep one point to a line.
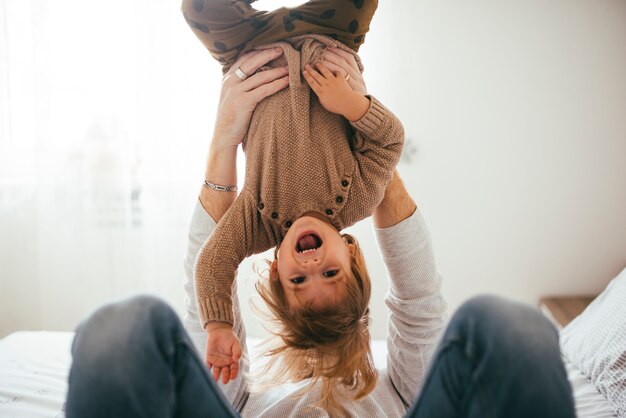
396 206
344 63
238 98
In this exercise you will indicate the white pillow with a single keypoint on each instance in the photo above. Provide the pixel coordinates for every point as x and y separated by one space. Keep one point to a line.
595 343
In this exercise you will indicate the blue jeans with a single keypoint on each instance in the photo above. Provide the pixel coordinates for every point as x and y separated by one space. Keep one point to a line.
496 359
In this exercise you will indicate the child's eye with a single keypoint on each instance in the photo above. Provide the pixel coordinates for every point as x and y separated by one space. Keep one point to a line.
297 280
330 273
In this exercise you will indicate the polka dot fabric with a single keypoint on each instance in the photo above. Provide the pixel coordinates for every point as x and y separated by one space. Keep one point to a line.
228 28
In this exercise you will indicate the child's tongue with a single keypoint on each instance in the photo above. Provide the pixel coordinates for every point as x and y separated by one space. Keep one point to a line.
307 242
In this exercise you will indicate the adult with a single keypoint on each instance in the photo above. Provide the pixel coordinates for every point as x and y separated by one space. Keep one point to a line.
495 359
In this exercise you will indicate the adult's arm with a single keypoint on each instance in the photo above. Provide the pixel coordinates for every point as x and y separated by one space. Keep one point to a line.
396 206
221 168
238 99
417 307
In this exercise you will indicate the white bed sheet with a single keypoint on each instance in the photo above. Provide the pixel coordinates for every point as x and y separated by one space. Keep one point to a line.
34 367
33 374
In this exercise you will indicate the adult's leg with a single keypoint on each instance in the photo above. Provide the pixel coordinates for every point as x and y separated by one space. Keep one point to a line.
496 359
227 28
133 358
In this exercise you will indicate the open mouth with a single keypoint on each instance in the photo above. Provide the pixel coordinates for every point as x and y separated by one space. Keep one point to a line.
308 242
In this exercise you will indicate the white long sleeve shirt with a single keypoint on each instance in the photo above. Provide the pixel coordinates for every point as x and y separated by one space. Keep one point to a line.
415 325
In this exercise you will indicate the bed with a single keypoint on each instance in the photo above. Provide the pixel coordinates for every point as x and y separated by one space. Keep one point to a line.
34 364
34 367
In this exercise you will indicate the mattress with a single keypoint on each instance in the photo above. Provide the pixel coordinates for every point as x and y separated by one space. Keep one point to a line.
34 367
33 374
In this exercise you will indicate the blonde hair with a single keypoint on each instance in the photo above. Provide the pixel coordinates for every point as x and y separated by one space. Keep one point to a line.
331 344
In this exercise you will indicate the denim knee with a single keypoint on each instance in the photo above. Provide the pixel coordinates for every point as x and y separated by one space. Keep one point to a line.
505 325
115 327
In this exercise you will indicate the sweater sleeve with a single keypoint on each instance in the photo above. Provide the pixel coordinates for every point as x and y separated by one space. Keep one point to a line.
416 304
238 234
200 229
377 145
379 136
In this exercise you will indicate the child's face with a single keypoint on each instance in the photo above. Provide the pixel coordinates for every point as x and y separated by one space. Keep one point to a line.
313 264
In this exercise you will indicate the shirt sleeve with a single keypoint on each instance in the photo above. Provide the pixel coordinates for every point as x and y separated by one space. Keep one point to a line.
417 306
200 229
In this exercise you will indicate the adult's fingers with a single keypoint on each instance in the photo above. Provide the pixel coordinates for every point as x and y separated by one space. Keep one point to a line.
325 71
335 68
244 57
344 60
313 78
249 63
355 81
337 53
264 77
268 89
347 63
337 62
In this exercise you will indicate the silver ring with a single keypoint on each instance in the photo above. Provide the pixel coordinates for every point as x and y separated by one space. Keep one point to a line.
241 74
348 77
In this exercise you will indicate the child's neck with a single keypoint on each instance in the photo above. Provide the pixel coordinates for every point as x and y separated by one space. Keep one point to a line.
317 215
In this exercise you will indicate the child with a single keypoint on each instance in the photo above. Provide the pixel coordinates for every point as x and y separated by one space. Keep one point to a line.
315 164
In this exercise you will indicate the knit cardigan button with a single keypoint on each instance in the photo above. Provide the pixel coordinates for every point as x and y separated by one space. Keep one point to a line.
329 212
339 199
345 183
261 206
288 224
274 215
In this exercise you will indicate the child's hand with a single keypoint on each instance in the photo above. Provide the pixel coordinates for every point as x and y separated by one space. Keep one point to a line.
334 93
223 351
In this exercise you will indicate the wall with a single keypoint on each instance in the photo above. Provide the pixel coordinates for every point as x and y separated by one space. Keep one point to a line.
518 113
516 117
515 114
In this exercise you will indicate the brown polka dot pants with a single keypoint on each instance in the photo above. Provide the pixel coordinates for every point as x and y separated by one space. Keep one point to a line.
230 27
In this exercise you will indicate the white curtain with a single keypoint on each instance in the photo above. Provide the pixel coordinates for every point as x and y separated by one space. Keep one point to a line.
105 118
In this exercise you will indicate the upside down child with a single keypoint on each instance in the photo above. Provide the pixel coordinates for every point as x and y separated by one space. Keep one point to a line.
319 155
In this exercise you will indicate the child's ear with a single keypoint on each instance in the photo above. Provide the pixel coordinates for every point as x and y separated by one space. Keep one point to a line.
274 269
350 243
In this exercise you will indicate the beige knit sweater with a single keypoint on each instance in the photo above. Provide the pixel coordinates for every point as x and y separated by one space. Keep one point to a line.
299 158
